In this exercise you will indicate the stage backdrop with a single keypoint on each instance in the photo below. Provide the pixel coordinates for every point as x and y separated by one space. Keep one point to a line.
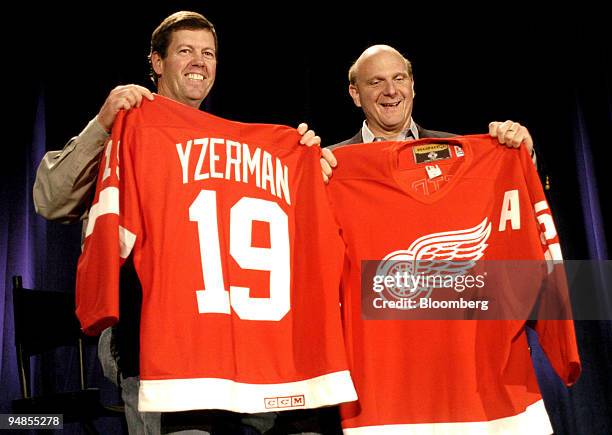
551 72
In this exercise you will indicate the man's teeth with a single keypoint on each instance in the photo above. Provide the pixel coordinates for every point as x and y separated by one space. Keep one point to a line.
195 76
390 104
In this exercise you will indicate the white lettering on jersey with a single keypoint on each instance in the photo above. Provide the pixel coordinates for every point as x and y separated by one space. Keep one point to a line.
233 161
274 259
553 250
117 168
268 172
107 155
184 159
214 157
198 172
250 165
214 298
510 211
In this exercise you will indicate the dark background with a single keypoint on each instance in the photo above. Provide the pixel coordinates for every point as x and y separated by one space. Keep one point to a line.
283 65
549 70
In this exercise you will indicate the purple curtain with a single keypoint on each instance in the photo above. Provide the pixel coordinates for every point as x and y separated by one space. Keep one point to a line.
589 194
24 251
585 408
22 243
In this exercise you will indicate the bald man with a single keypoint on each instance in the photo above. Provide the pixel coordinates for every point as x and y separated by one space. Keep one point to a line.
382 85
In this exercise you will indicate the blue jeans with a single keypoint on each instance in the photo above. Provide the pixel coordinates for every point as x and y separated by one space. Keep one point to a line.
138 423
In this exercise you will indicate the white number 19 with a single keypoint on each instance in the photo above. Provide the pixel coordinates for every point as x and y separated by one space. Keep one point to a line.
275 259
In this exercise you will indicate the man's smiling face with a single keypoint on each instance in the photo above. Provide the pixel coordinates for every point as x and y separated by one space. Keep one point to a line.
383 88
187 73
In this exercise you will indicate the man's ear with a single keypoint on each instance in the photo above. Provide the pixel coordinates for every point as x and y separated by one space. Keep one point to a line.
354 92
413 93
157 63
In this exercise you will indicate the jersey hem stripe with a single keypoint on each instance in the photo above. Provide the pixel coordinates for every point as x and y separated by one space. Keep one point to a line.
213 393
534 421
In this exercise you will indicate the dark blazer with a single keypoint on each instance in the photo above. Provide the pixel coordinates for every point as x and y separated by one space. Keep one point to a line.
423 133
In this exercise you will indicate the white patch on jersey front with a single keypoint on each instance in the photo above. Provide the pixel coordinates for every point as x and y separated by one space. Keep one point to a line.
553 249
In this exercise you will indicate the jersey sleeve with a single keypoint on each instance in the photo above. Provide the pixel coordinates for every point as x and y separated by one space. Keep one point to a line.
110 234
554 324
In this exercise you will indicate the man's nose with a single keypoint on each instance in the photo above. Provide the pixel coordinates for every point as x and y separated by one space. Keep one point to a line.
390 88
198 59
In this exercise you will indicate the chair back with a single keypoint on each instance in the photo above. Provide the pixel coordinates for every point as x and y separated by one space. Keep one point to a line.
44 320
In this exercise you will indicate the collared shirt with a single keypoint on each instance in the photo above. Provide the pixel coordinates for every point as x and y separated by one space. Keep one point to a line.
411 133
66 179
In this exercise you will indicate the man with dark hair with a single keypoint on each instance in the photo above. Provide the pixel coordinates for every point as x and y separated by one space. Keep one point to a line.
183 61
172 51
183 20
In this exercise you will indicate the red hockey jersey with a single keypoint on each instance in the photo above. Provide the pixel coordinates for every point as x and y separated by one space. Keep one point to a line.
444 376
238 255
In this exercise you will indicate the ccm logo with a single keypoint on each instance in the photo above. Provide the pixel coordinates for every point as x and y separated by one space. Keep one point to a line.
285 402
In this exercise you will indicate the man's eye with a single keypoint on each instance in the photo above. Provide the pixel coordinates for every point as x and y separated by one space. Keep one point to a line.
209 54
